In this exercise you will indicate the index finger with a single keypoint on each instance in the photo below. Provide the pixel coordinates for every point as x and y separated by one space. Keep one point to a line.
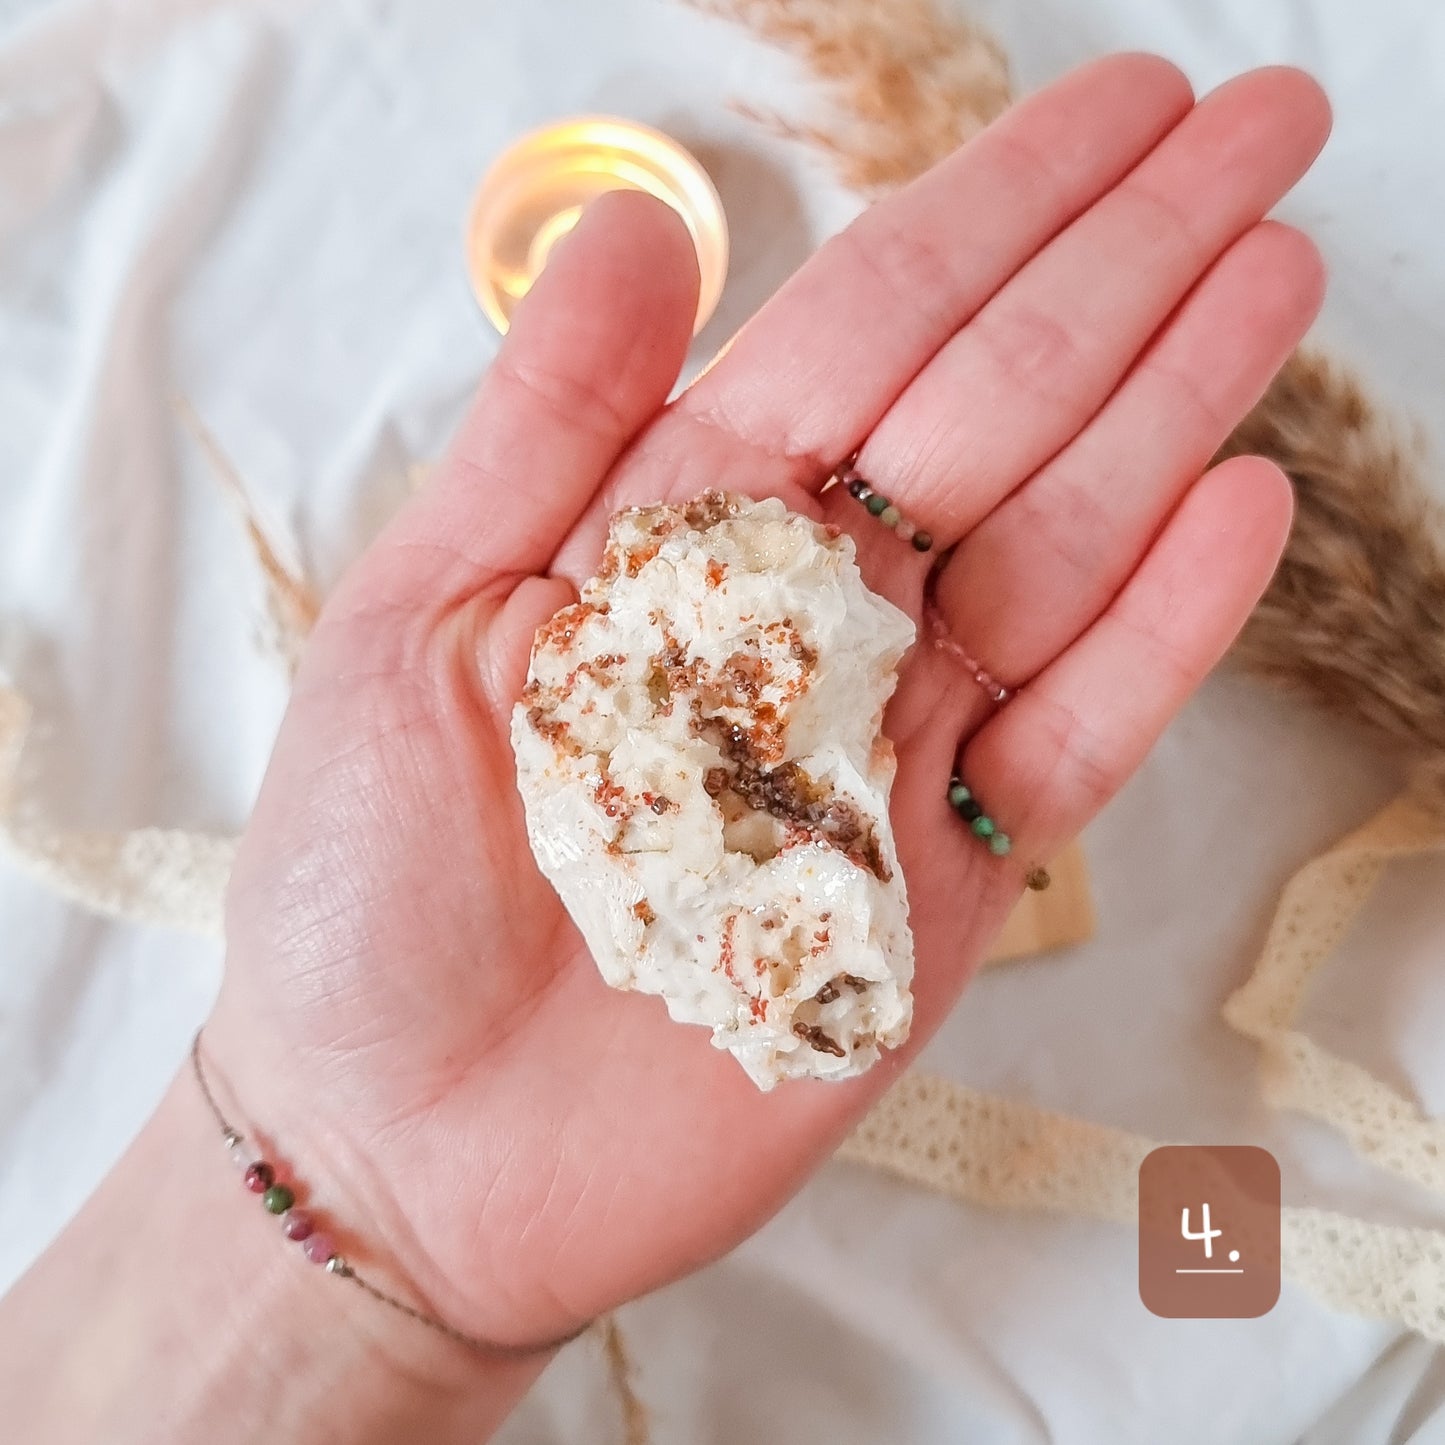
814 371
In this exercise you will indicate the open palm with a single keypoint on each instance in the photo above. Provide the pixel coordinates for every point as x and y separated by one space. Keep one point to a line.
1038 346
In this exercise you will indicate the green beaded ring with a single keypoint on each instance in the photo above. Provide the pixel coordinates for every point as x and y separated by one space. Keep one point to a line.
963 802
888 512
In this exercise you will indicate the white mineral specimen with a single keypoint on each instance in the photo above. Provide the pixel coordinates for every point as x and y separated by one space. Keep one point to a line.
706 784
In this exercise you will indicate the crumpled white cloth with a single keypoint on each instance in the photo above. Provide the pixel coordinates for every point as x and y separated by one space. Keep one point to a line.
259 205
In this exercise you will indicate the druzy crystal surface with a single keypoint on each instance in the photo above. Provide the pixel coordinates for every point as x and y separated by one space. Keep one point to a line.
700 755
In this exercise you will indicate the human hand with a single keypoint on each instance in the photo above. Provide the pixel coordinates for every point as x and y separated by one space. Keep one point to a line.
1038 347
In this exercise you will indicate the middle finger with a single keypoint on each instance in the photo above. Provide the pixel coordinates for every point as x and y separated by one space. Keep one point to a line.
1035 364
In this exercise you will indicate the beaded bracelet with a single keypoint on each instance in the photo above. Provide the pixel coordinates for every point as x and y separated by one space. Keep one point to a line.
301 1226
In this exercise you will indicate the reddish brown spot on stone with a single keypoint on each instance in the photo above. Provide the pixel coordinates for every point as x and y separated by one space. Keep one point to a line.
541 720
790 794
725 954
709 509
592 667
817 1039
560 631
639 557
746 673
611 797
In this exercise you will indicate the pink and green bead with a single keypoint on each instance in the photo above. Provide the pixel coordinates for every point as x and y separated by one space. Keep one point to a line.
887 512
296 1224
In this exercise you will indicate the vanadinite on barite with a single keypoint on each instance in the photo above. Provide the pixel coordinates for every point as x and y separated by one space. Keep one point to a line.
706 783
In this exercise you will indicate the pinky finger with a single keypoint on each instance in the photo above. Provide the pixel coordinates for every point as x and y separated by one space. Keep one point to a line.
1048 761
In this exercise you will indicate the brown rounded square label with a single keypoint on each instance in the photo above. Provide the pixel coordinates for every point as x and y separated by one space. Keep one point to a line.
1209 1231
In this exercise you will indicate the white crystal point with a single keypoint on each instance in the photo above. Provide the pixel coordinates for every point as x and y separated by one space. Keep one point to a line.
706 783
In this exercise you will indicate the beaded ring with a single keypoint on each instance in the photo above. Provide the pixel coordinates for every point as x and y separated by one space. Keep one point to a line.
963 802
944 639
889 513
877 505
960 797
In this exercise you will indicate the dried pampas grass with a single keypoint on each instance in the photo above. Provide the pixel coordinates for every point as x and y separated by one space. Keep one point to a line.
292 607
1355 618
909 82
620 1372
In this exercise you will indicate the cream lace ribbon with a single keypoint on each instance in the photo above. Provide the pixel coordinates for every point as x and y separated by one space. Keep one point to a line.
150 875
1009 1154
985 1148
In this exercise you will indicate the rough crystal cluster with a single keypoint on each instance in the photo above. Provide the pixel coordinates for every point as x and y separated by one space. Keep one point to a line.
706 784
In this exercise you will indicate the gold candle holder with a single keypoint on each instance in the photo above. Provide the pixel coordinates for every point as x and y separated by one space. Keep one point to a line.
535 191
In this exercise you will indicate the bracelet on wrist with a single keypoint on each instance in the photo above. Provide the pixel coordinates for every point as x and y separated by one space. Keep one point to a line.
318 1245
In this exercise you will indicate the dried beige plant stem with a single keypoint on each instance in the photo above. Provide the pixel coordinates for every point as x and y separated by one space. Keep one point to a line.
620 1370
291 605
1354 620
908 81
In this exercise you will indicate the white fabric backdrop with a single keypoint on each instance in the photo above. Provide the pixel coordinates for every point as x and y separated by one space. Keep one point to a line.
260 204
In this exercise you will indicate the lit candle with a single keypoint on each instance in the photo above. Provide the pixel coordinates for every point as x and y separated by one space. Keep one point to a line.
535 192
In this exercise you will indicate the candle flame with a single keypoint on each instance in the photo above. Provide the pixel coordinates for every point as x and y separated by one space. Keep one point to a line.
537 189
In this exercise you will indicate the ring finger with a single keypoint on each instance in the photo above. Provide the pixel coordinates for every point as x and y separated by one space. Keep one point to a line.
1047 561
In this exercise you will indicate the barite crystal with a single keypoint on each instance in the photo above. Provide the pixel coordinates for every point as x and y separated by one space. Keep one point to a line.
700 755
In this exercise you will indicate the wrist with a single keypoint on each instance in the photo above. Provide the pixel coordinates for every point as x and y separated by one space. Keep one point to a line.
382 1182
175 1308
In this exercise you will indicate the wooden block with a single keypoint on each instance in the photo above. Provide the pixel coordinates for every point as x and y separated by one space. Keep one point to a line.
1062 914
